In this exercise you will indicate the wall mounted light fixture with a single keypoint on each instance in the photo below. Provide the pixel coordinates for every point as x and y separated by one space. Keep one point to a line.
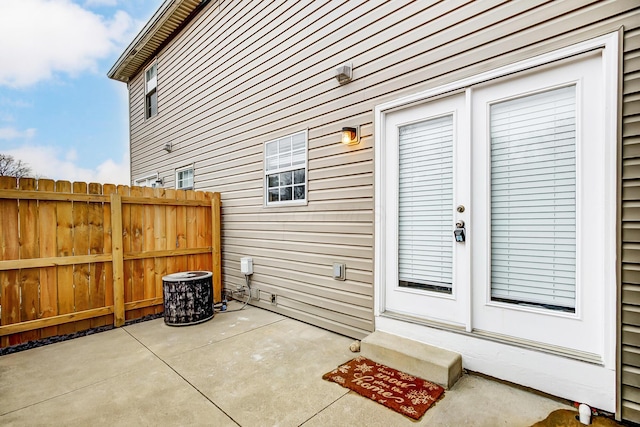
344 73
350 136
167 147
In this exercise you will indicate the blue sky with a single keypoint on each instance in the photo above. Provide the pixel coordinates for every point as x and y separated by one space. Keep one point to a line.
59 112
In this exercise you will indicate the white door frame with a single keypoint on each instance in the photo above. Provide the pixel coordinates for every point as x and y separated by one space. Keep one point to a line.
574 385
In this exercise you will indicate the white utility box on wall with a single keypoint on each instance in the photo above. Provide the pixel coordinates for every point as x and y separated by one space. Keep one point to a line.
246 266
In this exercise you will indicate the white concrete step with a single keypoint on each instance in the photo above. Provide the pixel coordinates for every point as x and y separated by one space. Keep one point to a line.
431 363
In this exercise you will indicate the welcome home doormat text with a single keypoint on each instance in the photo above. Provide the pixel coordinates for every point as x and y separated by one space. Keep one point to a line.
404 393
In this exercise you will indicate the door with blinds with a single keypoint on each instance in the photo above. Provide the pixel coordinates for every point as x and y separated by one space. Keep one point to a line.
518 160
427 273
539 179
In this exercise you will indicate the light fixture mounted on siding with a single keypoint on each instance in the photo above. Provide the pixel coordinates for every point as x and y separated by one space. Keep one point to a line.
350 135
168 147
344 73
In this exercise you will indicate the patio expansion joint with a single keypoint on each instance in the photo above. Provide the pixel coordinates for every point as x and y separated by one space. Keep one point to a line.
60 395
325 408
215 342
257 328
183 378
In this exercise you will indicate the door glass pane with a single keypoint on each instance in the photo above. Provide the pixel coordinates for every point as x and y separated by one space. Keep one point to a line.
533 197
426 204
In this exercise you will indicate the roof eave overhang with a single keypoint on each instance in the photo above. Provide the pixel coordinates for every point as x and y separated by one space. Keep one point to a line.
171 16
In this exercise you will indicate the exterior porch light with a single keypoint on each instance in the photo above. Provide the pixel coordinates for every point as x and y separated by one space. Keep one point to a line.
350 136
344 73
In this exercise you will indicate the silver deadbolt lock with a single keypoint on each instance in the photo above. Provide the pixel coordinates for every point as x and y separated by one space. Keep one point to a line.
459 232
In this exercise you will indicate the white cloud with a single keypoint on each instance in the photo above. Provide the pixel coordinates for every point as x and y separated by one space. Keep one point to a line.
9 133
6 117
14 103
71 155
93 3
53 163
46 37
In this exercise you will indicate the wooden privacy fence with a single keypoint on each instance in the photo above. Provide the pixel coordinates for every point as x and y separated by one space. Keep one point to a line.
79 256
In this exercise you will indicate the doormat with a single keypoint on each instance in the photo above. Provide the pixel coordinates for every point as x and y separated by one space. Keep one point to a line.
404 393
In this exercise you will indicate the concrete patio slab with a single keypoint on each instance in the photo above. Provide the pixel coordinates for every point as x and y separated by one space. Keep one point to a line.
268 376
167 341
152 395
247 368
43 373
473 401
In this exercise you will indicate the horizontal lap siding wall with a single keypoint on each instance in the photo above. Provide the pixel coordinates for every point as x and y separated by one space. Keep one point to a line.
630 345
242 73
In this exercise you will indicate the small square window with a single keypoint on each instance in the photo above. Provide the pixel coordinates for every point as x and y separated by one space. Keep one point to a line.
285 161
184 178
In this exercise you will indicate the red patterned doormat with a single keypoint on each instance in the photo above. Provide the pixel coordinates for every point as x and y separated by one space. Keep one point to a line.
401 392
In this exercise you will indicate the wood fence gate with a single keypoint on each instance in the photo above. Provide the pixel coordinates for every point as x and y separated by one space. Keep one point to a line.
79 256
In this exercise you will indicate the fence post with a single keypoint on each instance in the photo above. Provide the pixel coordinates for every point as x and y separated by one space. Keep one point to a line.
118 260
216 250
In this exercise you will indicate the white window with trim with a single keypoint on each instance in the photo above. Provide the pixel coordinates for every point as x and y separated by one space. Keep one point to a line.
184 178
149 181
151 91
285 169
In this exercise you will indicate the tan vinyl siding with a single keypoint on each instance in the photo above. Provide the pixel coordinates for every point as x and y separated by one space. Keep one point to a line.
242 73
630 334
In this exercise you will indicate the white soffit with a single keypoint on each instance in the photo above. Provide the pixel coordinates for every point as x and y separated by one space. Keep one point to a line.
168 18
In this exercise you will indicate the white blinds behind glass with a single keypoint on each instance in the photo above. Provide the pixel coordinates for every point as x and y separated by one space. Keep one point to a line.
533 196
426 204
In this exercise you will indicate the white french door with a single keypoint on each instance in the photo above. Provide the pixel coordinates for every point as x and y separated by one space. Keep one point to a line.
539 199
521 161
427 159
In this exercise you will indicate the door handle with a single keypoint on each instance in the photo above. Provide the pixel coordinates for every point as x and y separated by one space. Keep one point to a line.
459 232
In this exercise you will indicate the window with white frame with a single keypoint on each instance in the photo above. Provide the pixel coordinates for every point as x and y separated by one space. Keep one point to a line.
150 90
184 178
285 165
149 181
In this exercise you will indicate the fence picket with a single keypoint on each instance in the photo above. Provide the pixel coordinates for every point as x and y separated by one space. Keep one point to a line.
137 245
10 299
148 244
127 238
192 230
81 247
108 190
96 244
118 261
201 226
64 241
47 234
160 243
29 277
170 226
181 230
